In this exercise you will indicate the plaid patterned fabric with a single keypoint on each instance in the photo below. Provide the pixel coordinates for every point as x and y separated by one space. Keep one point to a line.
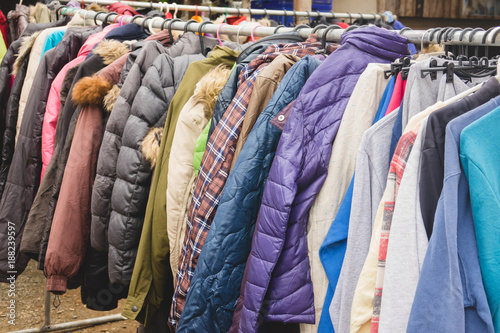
396 170
216 163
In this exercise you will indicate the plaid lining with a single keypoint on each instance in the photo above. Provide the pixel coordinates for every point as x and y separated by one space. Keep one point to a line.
396 170
216 164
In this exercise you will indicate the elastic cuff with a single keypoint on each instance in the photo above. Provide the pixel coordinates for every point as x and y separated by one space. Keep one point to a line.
57 284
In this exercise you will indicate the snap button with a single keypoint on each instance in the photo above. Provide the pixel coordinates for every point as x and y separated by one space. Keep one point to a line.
281 117
134 308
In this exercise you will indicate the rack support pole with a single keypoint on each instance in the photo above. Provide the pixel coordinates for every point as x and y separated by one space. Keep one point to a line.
75 324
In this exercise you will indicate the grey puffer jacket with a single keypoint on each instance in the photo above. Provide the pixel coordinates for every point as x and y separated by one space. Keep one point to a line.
112 140
137 158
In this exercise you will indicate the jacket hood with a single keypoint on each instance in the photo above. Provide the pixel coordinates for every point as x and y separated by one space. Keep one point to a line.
98 90
77 19
67 83
161 36
39 11
209 87
377 41
122 9
90 91
263 43
21 10
110 50
96 8
150 145
24 51
127 32
111 97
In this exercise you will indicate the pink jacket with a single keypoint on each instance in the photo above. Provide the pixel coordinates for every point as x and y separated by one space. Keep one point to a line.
54 103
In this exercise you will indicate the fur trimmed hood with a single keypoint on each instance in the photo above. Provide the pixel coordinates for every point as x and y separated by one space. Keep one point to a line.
90 91
98 89
209 87
150 145
39 13
24 51
110 50
111 97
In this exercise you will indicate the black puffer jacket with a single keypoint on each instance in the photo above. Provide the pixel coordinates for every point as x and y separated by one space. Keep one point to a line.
12 110
21 51
24 174
6 68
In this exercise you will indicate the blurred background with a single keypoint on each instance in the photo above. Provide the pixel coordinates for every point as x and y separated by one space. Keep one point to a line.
418 14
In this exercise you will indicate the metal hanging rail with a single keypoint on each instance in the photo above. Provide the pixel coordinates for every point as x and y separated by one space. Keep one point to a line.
236 11
448 36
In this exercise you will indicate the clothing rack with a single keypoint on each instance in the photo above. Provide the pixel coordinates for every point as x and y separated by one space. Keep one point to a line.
237 11
448 36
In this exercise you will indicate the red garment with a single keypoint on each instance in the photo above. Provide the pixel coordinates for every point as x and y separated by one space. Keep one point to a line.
4 28
342 25
122 9
397 94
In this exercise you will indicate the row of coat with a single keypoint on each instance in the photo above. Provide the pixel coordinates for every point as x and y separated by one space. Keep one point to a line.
240 188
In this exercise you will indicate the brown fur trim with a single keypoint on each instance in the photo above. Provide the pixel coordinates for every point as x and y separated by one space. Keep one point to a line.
67 83
209 87
150 145
431 48
110 50
24 51
96 8
90 90
111 97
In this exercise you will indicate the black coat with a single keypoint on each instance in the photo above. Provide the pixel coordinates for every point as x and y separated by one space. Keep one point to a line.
9 98
23 177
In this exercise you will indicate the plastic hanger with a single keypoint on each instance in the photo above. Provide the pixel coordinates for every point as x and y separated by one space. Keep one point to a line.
238 32
218 36
251 33
150 26
175 11
200 34
169 27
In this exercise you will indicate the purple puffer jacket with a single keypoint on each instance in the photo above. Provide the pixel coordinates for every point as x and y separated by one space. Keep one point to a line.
279 287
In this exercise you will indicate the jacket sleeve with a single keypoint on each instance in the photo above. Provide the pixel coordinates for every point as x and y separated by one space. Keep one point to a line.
279 195
49 127
71 225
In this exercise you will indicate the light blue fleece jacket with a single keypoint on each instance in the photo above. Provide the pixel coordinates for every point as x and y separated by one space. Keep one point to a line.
450 295
480 156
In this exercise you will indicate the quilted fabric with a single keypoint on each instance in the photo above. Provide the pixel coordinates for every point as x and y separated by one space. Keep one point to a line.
217 279
133 171
279 287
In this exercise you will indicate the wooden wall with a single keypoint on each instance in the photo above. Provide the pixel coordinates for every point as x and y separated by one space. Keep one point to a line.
429 8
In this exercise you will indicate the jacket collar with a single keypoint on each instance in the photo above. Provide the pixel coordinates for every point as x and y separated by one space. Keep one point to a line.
377 41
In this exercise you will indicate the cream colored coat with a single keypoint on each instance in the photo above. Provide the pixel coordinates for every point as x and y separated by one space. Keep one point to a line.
358 117
193 118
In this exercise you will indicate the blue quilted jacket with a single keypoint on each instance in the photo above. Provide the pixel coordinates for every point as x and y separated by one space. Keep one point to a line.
217 280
